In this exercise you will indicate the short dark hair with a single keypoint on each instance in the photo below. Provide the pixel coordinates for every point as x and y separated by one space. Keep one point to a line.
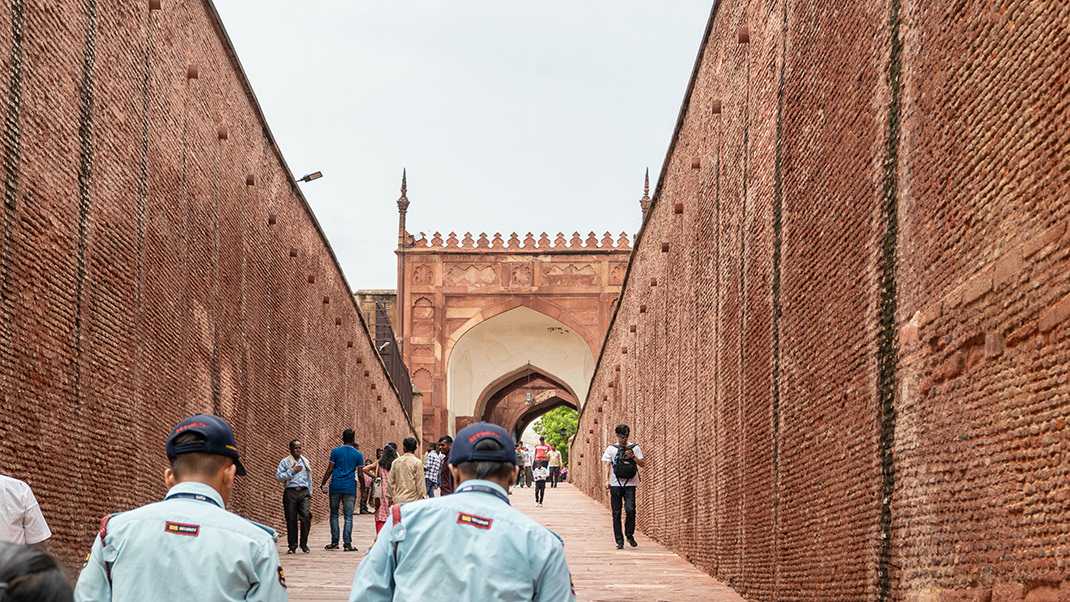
31 575
482 470
410 444
196 464
622 430
294 441
445 438
348 436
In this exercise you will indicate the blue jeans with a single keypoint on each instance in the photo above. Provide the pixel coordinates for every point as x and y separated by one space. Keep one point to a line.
430 487
347 500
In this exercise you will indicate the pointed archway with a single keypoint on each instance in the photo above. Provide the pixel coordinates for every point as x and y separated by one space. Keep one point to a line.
521 398
496 355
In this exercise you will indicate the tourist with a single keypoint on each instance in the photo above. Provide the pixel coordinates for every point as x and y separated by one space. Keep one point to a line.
368 482
624 460
342 472
432 466
21 520
541 473
445 477
381 471
540 453
29 574
293 472
553 461
406 482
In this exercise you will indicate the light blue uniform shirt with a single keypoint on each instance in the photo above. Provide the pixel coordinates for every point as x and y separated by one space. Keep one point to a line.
183 548
285 474
469 546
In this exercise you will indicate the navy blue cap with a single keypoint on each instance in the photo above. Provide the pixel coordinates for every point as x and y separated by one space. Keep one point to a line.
218 439
464 445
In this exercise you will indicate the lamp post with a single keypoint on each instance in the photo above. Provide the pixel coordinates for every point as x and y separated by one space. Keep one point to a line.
312 176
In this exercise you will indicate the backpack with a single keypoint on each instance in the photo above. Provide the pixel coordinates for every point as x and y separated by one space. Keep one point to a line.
624 468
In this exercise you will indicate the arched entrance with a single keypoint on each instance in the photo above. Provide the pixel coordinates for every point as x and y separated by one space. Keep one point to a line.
522 398
499 362
452 290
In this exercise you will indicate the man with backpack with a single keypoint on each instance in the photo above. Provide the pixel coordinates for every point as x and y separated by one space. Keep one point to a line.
624 460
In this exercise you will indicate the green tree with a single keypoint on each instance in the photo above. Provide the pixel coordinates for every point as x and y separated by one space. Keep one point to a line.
549 425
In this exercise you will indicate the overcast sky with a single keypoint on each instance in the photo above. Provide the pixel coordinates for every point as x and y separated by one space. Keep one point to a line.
510 115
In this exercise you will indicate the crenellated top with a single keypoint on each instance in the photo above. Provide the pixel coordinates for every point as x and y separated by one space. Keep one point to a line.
514 243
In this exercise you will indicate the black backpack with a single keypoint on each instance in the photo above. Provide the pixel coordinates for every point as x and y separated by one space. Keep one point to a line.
624 468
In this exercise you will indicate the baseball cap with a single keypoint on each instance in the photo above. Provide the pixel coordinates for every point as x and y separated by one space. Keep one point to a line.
464 445
218 439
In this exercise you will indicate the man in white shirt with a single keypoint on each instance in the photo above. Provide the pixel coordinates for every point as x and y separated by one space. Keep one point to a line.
624 460
21 520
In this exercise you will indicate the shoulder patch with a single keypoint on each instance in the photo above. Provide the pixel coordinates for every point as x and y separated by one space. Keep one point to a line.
182 529
476 521
282 578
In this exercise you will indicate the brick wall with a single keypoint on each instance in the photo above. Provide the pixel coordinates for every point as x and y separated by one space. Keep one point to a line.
158 260
844 340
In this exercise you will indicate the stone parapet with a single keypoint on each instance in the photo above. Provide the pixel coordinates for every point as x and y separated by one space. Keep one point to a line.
515 244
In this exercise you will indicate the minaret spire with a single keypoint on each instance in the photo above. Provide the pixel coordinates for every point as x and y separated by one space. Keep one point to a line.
645 201
403 208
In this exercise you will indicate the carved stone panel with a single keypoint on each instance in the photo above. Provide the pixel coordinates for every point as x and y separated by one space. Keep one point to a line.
521 275
423 274
424 309
570 275
471 275
616 273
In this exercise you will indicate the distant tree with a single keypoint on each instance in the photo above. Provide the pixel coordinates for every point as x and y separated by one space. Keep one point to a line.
551 423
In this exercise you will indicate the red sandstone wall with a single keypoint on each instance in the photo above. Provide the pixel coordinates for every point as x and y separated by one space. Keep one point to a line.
140 278
851 375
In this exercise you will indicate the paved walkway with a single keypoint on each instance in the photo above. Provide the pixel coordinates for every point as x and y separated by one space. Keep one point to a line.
601 573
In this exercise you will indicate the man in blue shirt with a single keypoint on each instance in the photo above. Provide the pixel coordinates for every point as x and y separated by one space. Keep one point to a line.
342 471
187 547
471 546
293 472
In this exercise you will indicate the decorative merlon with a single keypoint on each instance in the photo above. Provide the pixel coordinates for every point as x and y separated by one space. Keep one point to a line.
514 243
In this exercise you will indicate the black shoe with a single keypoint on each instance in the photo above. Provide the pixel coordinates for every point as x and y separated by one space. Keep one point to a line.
631 542
620 546
305 549
349 548
290 551
331 546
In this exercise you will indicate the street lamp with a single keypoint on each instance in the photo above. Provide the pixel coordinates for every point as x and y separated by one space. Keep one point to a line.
564 433
312 176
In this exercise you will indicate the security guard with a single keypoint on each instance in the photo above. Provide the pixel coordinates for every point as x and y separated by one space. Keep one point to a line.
469 546
186 547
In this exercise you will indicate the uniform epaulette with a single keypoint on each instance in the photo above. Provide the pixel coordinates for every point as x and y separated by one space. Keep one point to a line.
556 535
274 534
103 532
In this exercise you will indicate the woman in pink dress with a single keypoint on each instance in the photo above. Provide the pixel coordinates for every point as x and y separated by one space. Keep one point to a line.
381 469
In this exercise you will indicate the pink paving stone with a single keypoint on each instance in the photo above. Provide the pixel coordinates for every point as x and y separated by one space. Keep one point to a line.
600 572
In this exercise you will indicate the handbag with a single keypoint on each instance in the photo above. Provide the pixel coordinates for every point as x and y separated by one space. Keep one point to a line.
377 488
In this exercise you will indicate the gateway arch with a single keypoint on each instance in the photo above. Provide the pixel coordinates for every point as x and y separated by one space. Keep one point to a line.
502 328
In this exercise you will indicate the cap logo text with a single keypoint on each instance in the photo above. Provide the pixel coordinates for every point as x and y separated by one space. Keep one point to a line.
481 434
